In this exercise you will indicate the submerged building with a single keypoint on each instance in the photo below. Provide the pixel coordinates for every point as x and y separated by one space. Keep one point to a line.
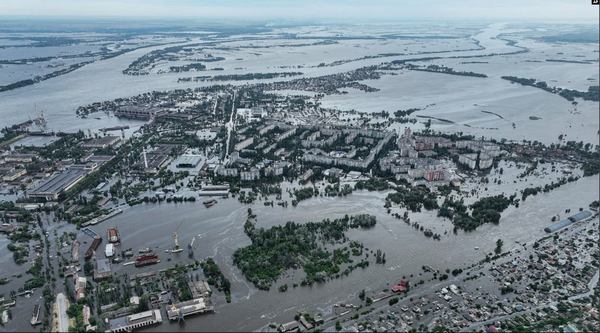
581 216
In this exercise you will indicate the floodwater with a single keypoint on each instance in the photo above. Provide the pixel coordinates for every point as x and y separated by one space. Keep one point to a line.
219 231
459 99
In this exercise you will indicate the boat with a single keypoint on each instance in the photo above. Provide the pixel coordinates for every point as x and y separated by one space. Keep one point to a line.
191 247
35 316
109 250
209 203
113 235
476 247
91 250
146 259
5 304
144 250
115 128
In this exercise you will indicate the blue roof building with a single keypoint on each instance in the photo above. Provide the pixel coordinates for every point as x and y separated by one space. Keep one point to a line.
583 215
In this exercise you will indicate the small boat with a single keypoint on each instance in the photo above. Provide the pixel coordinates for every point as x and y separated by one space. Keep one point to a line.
209 203
12 302
144 250
191 247
476 247
35 316
113 235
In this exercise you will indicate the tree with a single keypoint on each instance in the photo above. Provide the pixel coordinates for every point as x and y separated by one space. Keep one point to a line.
338 326
440 329
144 303
499 244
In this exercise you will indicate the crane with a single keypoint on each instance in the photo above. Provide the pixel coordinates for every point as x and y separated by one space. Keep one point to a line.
176 248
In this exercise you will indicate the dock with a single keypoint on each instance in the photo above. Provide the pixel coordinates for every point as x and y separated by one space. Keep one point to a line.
90 232
102 218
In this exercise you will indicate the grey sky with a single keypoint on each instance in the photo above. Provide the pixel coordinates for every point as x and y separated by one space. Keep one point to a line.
563 10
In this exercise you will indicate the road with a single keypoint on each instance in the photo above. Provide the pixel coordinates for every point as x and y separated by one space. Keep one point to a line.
62 318
230 125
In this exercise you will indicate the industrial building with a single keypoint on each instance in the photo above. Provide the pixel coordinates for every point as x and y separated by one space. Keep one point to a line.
188 161
136 112
581 216
101 142
12 174
252 114
53 186
135 321
102 269
20 158
153 161
188 308
213 187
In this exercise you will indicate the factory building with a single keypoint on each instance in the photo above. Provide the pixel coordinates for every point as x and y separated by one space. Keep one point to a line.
135 321
188 161
53 186
581 216
188 308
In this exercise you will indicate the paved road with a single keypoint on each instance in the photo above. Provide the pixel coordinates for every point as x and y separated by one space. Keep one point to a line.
230 125
63 318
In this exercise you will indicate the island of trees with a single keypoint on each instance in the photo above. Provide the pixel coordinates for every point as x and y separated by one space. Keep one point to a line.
443 70
315 247
593 93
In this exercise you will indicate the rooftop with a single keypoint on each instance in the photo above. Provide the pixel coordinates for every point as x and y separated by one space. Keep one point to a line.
59 182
